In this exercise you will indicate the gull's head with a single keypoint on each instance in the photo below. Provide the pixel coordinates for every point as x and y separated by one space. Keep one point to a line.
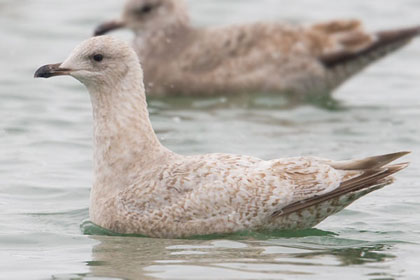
148 15
96 62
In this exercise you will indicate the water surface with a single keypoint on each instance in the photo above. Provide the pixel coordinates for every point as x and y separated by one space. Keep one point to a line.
45 154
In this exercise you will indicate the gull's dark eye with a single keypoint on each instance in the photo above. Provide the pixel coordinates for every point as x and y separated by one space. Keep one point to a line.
98 57
146 9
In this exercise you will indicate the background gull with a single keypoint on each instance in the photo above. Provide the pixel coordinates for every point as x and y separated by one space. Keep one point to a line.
262 57
140 187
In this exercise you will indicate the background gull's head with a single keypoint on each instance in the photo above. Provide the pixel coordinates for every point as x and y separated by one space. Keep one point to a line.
148 15
98 62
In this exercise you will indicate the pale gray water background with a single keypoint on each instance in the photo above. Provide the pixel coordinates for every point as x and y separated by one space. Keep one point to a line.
45 154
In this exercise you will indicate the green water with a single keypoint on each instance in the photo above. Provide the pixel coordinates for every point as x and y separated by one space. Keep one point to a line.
46 166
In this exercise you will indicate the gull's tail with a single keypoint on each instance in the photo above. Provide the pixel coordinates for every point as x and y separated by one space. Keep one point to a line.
375 174
349 61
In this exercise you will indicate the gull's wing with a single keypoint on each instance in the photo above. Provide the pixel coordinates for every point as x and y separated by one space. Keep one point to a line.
226 193
270 55
252 46
375 174
364 49
333 43
360 50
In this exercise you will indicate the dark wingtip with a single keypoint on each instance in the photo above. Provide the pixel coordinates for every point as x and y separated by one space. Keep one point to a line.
398 167
385 43
399 34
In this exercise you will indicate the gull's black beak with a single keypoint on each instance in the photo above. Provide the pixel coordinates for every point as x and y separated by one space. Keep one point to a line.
108 26
51 70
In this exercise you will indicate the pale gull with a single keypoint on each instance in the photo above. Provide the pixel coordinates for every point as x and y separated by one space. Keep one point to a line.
299 61
141 187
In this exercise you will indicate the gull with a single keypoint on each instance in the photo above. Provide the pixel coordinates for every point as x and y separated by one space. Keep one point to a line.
296 61
141 187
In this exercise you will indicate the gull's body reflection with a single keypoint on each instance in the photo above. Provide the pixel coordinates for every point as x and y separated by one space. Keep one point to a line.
280 258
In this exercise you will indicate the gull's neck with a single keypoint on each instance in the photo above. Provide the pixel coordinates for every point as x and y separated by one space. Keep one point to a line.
125 144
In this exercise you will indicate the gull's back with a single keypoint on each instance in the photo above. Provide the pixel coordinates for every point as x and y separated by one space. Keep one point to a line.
261 57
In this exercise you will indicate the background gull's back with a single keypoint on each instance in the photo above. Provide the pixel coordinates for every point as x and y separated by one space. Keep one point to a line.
45 153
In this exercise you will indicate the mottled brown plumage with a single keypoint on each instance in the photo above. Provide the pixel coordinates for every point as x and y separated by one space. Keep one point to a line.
179 59
140 187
